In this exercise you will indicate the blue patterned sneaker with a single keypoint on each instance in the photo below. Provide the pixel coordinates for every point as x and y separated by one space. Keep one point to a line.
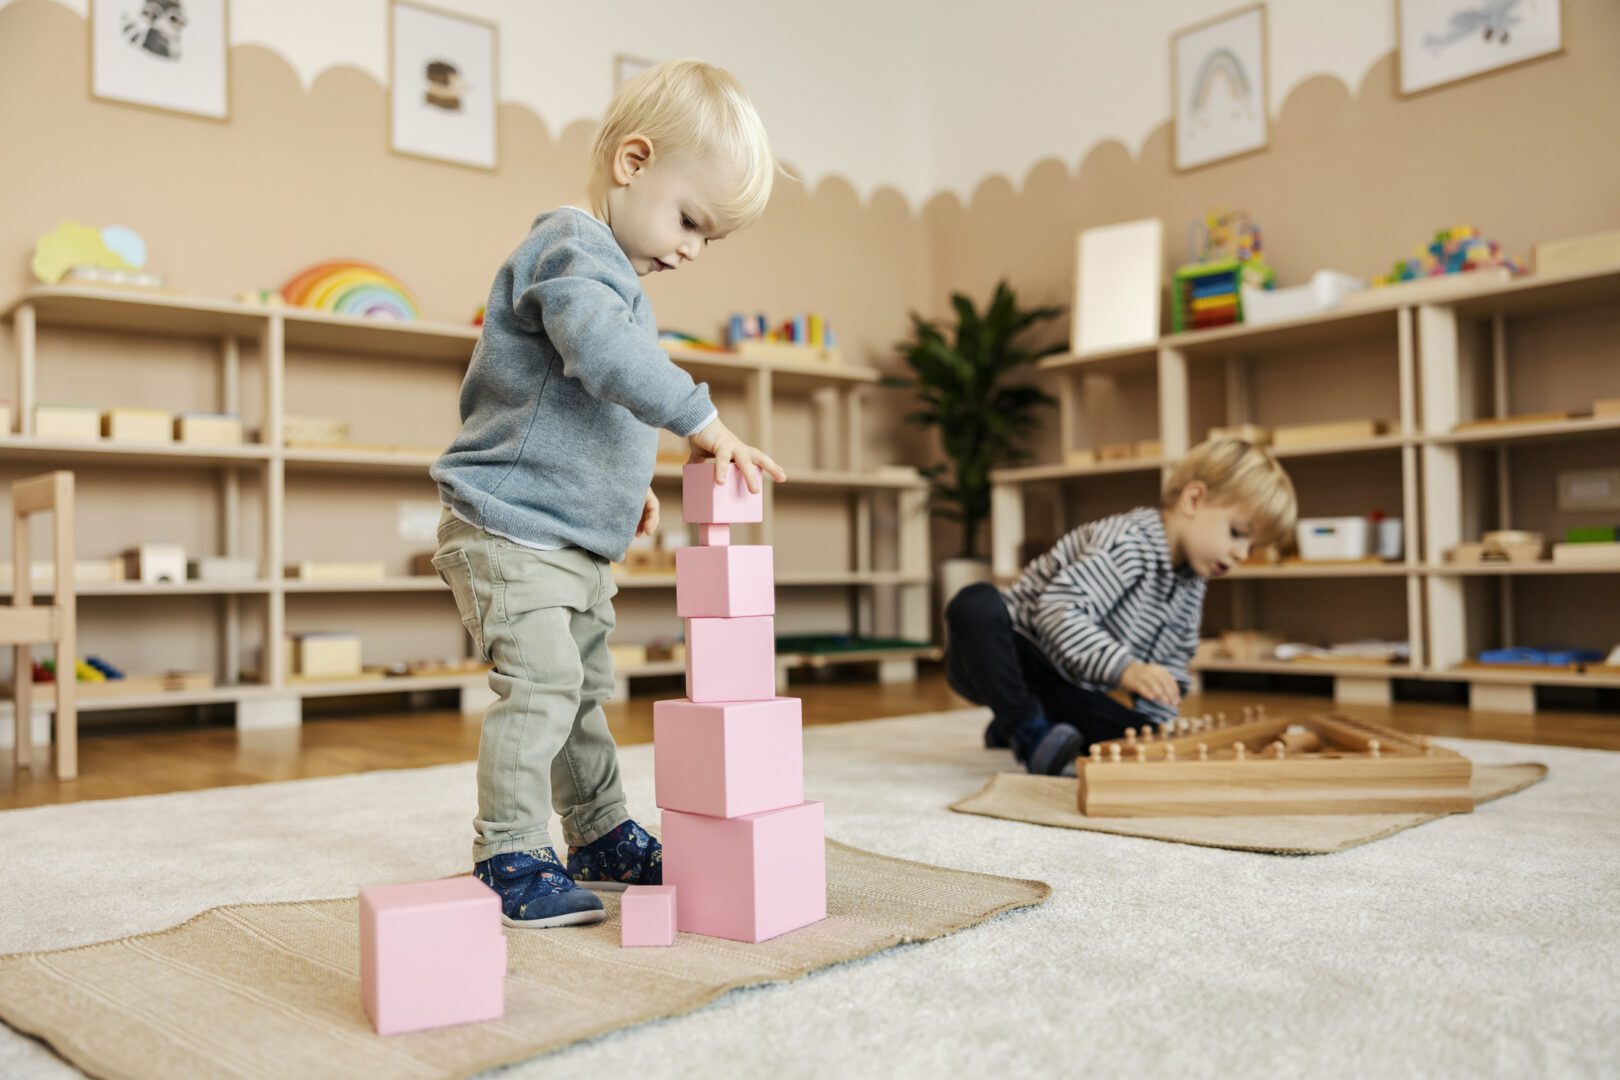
626 856
536 892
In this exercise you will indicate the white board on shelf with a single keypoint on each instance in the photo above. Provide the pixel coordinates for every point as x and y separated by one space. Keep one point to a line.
1118 278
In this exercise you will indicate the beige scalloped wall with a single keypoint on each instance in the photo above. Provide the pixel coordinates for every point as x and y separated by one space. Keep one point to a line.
297 176
1352 178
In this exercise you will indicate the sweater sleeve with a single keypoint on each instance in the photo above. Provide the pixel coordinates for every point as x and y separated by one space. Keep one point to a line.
1068 616
578 296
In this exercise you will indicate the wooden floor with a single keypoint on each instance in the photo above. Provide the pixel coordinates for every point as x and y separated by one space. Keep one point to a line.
116 763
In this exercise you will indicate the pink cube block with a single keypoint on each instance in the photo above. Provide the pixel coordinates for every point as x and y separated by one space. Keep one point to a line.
728 759
748 878
647 916
703 502
431 954
725 582
731 659
714 535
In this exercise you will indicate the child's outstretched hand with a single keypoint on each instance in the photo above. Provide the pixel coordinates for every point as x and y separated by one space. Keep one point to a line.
718 442
649 516
1152 682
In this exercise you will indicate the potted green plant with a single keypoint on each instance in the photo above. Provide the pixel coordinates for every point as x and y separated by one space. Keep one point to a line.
964 389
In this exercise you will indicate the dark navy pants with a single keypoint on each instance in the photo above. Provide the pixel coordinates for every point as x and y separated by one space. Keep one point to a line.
991 664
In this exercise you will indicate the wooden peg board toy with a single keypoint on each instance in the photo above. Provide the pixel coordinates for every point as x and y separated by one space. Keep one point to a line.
1205 767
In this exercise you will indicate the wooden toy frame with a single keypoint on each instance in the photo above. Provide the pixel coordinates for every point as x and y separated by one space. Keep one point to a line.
1324 764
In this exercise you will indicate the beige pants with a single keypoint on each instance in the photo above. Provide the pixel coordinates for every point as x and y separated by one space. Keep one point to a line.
543 619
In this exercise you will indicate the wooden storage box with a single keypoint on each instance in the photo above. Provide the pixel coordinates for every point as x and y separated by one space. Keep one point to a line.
222 568
155 564
143 427
208 429
1285 436
329 655
71 423
336 571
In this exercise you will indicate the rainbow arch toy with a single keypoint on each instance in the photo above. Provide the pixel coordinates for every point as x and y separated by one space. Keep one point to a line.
352 288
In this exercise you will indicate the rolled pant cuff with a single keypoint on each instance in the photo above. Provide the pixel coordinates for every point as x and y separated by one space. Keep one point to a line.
506 845
596 826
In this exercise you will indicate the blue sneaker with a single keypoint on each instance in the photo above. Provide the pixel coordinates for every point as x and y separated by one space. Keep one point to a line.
536 892
1055 752
624 857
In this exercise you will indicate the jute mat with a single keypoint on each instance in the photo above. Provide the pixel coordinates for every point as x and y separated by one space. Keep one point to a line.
273 990
1051 800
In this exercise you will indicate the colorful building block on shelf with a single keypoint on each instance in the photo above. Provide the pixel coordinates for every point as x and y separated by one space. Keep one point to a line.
704 502
647 916
747 878
727 759
431 954
725 582
731 659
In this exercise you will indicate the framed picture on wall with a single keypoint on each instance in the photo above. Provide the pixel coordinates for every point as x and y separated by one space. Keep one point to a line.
161 54
1218 88
626 68
1444 41
444 86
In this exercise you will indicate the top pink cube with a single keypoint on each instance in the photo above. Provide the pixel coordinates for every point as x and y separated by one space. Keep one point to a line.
703 502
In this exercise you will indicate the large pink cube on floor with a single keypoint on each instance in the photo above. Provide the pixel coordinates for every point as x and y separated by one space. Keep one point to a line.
747 878
731 659
704 502
647 916
724 582
726 759
431 954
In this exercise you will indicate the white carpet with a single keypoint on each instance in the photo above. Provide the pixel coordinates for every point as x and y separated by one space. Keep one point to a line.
1486 944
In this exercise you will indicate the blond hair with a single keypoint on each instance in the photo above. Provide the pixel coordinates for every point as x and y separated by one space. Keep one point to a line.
1239 473
690 109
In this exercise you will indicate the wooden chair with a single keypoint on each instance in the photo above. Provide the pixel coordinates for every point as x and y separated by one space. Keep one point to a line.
23 624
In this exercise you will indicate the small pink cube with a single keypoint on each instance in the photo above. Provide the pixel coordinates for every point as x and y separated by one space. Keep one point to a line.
703 502
431 954
725 582
647 916
731 659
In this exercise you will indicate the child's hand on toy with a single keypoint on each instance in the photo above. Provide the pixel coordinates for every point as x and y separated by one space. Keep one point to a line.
649 516
1152 682
718 442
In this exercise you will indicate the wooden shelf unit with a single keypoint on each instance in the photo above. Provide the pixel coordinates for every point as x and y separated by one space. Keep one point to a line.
1455 357
892 600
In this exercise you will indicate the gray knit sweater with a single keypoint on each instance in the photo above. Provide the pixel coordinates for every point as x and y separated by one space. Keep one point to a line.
564 394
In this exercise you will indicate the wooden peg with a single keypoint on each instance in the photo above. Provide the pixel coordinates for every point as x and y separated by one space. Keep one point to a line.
1113 751
1169 751
1203 751
1220 719
1130 735
1239 751
1260 712
1147 732
1372 747
1282 751
1141 752
1248 714
1096 752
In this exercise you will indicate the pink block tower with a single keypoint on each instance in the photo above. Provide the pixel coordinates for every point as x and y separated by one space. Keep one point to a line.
742 848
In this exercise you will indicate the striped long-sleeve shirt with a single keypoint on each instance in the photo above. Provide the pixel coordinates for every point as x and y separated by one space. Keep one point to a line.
1106 595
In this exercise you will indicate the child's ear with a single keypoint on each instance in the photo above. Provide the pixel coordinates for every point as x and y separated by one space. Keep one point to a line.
634 152
1193 497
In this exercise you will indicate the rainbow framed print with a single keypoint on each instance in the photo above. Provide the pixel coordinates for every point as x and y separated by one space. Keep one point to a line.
1218 88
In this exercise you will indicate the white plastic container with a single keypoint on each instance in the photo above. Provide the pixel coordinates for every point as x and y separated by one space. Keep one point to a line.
1322 293
1333 539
